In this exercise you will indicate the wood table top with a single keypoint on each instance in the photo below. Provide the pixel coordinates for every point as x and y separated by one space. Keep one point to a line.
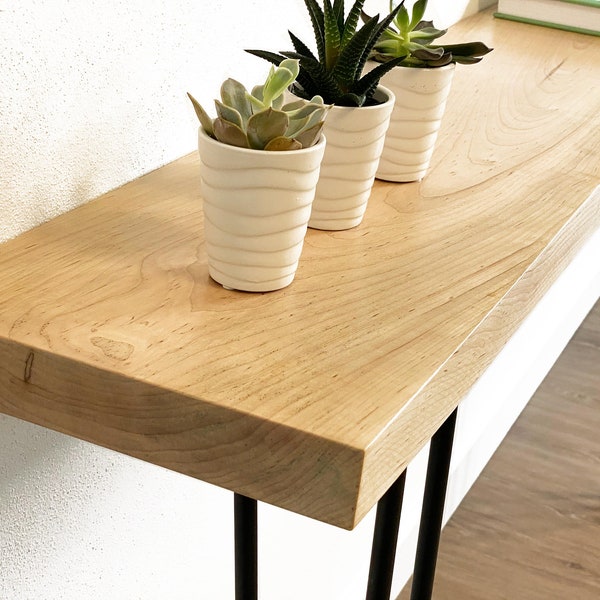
315 397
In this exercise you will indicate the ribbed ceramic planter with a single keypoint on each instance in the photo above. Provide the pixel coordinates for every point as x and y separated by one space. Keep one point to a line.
256 209
421 96
355 139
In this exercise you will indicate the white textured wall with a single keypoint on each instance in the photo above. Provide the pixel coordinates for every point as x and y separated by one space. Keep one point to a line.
92 94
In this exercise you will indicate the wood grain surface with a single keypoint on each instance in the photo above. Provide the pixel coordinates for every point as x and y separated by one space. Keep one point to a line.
313 398
530 526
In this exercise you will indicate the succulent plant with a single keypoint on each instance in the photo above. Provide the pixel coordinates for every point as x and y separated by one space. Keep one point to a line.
260 120
413 41
336 71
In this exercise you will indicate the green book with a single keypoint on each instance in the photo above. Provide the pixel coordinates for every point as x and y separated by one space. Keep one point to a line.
582 16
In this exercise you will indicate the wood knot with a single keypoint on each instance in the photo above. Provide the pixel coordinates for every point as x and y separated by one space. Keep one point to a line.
28 367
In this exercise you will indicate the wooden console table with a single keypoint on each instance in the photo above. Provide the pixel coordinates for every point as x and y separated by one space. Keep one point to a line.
314 398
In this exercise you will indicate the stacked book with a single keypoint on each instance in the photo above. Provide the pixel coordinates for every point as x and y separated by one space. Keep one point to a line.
582 16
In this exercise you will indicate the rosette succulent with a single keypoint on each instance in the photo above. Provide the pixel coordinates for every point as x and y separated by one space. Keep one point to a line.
335 72
259 119
412 38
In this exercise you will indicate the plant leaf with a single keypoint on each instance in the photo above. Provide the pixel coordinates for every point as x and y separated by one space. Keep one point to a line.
444 60
338 9
418 10
272 57
256 101
233 94
299 91
300 46
352 21
203 117
427 34
257 92
266 100
296 125
385 23
229 114
302 77
315 79
279 79
318 116
292 65
317 19
230 134
389 34
424 25
305 119
389 49
309 137
466 60
468 49
368 83
281 144
290 107
332 36
427 53
305 110
265 126
346 71
402 20
351 99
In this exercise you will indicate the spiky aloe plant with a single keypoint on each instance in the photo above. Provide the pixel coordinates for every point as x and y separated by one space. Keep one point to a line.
335 72
413 37
260 120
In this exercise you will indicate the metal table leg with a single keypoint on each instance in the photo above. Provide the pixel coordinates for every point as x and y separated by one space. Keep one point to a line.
433 510
385 538
246 552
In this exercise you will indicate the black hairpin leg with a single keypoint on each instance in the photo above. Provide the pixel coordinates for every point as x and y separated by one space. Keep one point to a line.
385 538
433 510
246 551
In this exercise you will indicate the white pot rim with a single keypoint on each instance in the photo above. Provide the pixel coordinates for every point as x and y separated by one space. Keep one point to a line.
212 141
380 88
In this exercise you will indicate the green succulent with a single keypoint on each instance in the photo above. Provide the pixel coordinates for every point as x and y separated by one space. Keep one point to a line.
413 40
336 71
260 120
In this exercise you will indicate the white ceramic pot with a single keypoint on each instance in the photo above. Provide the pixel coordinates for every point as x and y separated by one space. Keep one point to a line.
355 139
421 96
256 209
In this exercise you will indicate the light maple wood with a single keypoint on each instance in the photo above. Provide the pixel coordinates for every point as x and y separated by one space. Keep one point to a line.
529 527
313 398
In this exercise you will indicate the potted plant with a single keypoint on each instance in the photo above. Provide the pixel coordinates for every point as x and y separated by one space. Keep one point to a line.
356 126
260 162
421 85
